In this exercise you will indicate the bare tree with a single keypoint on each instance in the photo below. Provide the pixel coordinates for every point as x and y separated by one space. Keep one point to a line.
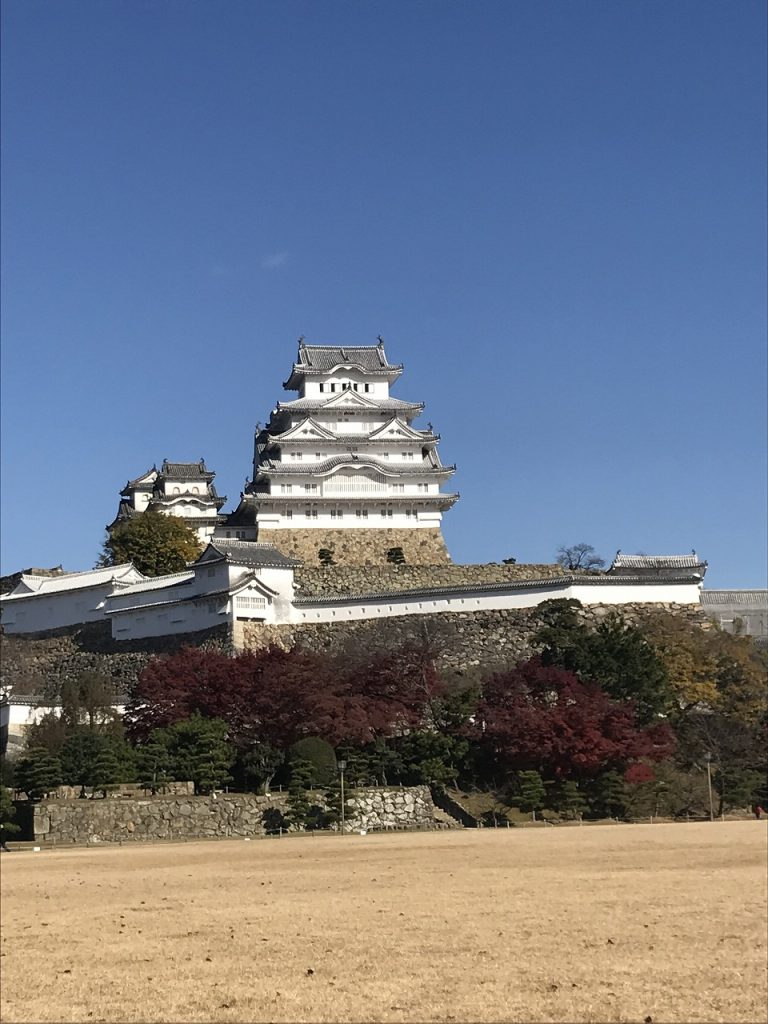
579 557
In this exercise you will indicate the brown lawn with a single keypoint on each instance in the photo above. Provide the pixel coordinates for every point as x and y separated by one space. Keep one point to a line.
619 923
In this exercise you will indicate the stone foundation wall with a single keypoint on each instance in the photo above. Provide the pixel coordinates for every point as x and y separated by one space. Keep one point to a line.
242 815
319 582
360 547
37 663
465 640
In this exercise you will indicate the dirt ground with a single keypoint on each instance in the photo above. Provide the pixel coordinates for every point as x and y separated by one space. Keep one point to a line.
611 923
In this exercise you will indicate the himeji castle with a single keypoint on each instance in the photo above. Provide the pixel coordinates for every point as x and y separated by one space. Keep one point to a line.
340 520
343 470
340 474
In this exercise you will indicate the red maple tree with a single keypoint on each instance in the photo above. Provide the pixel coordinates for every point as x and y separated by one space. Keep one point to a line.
536 716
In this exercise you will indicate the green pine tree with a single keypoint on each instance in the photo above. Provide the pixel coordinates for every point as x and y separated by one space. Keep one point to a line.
7 813
572 800
154 764
298 801
38 773
105 772
532 792
609 795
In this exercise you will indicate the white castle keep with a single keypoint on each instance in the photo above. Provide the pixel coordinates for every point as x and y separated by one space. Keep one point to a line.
341 469
341 477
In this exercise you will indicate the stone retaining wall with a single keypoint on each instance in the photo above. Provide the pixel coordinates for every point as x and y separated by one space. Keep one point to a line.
319 582
37 663
463 639
198 817
355 547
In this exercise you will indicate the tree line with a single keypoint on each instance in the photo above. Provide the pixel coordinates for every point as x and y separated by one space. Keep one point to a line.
612 718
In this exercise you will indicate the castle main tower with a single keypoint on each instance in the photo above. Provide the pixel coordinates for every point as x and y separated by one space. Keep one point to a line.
342 470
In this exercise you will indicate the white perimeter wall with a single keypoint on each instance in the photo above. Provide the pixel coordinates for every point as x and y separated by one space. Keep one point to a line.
54 611
469 602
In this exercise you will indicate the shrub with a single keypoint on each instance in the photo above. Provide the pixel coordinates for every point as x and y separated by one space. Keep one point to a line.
319 757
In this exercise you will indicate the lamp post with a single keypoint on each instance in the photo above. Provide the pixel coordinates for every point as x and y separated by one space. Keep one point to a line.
708 759
342 769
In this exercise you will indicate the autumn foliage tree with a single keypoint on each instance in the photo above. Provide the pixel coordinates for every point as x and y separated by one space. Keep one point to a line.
278 697
709 669
543 718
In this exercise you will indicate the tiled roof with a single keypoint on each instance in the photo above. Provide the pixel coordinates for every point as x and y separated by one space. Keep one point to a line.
691 561
140 481
249 552
156 583
44 585
299 500
186 470
393 468
325 357
244 514
753 598
376 405
125 510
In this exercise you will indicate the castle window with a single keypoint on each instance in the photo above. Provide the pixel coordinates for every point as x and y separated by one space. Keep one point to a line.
286 488
211 572
367 387
322 387
289 514
229 533
333 387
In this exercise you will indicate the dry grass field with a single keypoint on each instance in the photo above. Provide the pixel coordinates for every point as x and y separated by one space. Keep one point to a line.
630 923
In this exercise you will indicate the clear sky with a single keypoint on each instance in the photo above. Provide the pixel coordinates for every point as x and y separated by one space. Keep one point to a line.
554 213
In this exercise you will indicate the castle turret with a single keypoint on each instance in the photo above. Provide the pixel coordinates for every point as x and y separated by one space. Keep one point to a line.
182 489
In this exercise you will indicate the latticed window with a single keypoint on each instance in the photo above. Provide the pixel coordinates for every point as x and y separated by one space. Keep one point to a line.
251 602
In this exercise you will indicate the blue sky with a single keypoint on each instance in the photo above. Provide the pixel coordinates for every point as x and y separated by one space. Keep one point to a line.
553 212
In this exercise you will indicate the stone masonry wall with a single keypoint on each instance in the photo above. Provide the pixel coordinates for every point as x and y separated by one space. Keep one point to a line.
324 582
35 664
196 817
465 639
360 547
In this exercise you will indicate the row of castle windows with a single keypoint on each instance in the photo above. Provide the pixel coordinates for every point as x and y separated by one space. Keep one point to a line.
337 513
347 386
312 488
299 456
